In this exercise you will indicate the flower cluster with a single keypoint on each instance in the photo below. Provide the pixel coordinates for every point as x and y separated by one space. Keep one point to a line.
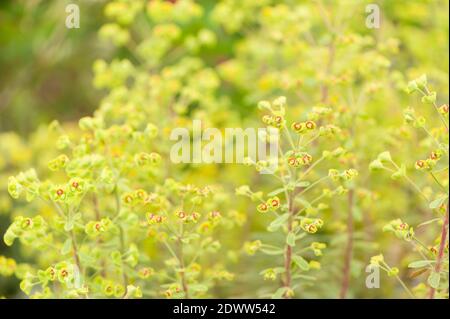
105 214
433 259
293 213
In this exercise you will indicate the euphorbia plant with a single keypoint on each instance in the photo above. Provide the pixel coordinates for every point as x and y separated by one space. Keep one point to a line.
300 199
161 62
108 199
433 170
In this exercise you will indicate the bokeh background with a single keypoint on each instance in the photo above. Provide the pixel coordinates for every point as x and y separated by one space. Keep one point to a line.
247 50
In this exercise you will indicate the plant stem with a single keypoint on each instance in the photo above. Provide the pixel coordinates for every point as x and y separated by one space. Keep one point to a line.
121 240
410 181
75 251
122 248
437 181
184 283
440 256
310 168
387 268
405 287
99 241
288 248
349 249
315 183
182 272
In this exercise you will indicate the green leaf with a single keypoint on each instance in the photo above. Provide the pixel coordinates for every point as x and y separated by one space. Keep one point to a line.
434 279
301 276
116 257
279 270
66 246
303 184
437 202
300 236
420 263
429 222
276 192
290 239
279 293
9 237
70 223
301 262
278 222
303 202
87 259
272 251
198 288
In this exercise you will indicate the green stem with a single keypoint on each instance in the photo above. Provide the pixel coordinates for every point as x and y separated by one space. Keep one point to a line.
401 282
436 108
437 181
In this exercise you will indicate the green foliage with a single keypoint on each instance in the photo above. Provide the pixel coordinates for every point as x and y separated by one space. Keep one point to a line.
95 208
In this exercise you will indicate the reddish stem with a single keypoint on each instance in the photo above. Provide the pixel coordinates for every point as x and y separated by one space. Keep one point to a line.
440 256
288 250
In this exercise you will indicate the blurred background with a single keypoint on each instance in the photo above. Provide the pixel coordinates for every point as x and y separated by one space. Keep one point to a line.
46 74
45 68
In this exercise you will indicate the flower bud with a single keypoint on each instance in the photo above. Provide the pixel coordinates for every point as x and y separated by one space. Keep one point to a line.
305 159
430 98
411 87
393 272
252 247
310 125
421 81
376 260
63 142
349 174
274 203
269 274
243 190
376 165
334 174
145 272
298 127
58 163
264 105
443 109
14 188
279 101
385 157
421 165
